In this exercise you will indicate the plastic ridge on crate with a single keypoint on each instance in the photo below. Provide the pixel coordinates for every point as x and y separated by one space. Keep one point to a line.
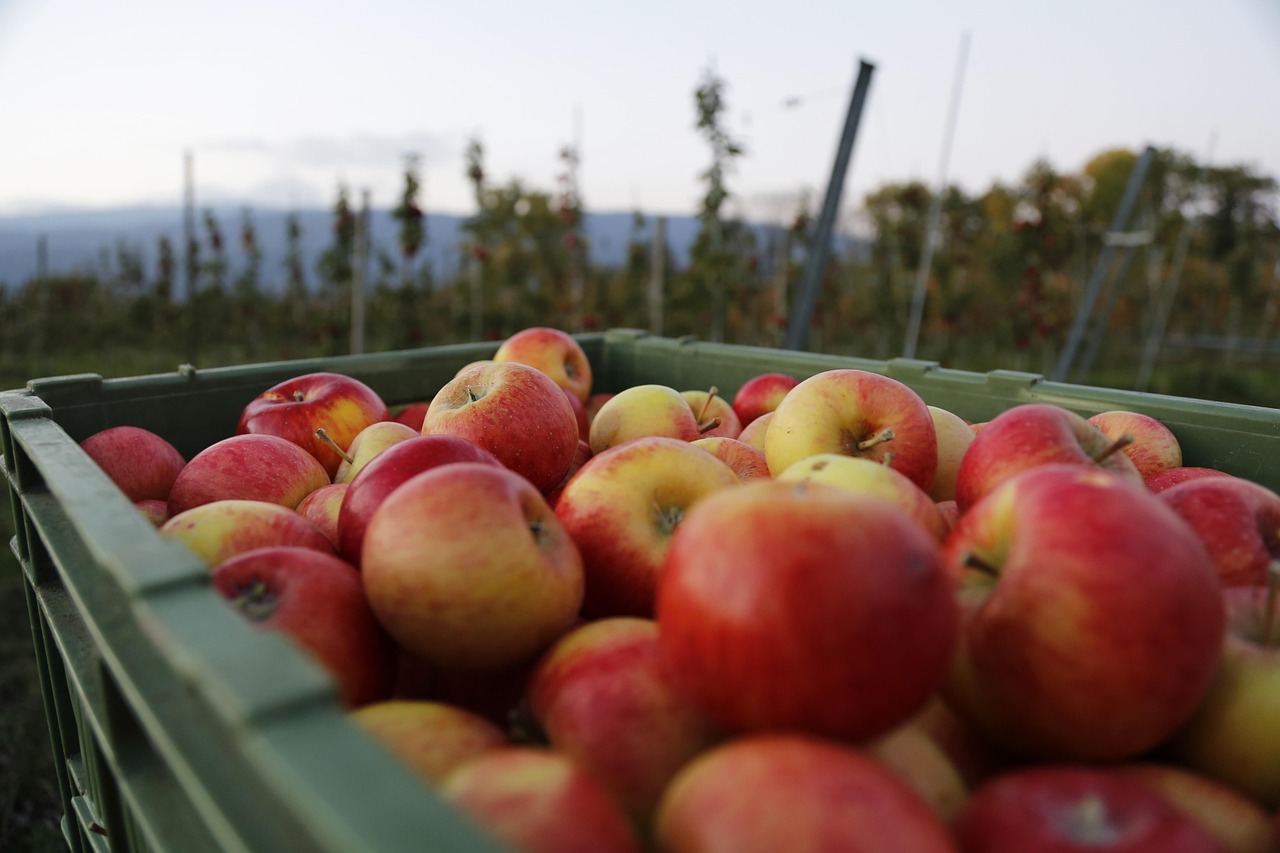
177 726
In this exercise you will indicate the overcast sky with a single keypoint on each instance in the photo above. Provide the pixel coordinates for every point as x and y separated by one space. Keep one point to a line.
279 101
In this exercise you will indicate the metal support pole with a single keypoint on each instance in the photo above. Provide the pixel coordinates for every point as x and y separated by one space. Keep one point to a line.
935 210
1103 264
811 280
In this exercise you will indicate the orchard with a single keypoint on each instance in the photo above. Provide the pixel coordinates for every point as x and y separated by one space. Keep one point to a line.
818 614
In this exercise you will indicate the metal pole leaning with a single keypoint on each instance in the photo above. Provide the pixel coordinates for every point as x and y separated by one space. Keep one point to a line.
811 279
1103 264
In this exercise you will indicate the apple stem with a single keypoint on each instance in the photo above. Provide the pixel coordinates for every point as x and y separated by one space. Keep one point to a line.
971 560
324 436
1119 444
472 396
298 396
711 394
879 438
887 461
1090 824
703 429
255 601
1269 613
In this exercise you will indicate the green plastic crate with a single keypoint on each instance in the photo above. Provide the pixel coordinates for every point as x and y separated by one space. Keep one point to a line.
176 726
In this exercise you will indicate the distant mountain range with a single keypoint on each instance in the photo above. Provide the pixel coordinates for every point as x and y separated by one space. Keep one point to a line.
86 241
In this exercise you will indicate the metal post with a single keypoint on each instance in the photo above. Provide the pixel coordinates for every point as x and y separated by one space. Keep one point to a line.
1103 264
1108 308
189 282
811 280
935 209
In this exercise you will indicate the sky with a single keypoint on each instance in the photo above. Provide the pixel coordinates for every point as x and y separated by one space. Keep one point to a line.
279 102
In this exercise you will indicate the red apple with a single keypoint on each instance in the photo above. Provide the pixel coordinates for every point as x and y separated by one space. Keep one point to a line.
157 512
1030 435
467 566
318 601
621 509
1154 447
807 607
954 437
219 530
1066 808
603 697
594 402
746 461
1093 617
247 467
412 415
1237 520
789 792
1171 477
760 394
756 432
431 738
322 508
513 411
579 415
387 472
495 694
555 353
855 413
579 459
294 409
143 464
912 754
368 443
539 801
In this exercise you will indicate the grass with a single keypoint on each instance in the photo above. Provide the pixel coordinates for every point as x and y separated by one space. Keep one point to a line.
29 804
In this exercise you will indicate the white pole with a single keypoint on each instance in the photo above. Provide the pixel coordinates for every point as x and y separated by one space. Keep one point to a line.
935 206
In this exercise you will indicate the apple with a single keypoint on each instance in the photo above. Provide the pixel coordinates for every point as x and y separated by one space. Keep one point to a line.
756 432
1030 435
1056 807
1093 619
1154 447
1234 734
868 477
642 411
368 443
294 409
513 411
467 566
1238 521
140 462
1238 823
579 415
594 402
219 530
389 470
1171 477
746 461
603 697
431 738
954 437
247 467
555 353
786 791
761 394
855 413
412 415
916 758
709 406
539 801
317 600
323 508
579 459
805 606
621 509
973 756
157 512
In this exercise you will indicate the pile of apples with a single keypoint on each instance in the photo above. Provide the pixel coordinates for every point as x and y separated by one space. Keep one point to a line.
820 616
